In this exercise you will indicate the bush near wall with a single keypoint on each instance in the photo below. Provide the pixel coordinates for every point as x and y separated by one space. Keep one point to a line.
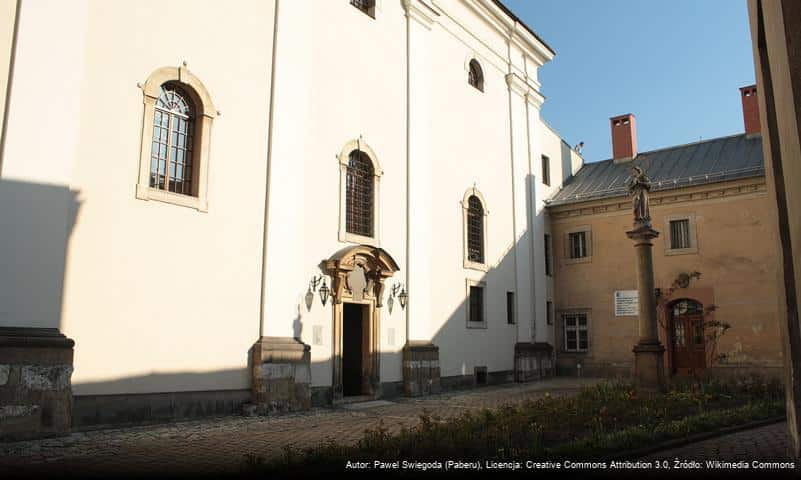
599 421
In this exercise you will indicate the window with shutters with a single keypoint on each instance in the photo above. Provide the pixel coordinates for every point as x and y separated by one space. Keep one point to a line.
475 230
360 173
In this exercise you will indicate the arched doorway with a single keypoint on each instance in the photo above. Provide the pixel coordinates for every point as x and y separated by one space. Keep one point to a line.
357 276
687 338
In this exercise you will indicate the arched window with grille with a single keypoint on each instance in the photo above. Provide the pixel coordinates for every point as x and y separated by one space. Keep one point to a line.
176 134
173 137
359 194
475 76
475 230
360 175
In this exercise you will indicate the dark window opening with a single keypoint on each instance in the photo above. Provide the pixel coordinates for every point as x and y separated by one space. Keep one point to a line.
476 313
546 170
510 308
547 241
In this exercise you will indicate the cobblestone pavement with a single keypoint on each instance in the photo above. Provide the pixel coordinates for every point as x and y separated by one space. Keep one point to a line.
220 445
766 443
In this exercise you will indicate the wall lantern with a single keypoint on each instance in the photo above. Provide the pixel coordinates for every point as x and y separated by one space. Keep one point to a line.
324 291
397 291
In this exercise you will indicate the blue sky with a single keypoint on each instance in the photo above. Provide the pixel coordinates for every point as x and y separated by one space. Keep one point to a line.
676 65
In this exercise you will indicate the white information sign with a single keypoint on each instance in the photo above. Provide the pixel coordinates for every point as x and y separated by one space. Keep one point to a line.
626 303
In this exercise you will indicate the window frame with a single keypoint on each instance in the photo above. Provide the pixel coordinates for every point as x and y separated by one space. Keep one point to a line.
568 250
466 261
469 284
546 170
578 328
205 113
344 158
692 235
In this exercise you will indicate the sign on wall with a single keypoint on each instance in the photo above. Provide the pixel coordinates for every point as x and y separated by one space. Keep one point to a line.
626 303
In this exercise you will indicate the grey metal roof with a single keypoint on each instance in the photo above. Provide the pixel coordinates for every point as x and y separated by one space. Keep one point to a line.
707 161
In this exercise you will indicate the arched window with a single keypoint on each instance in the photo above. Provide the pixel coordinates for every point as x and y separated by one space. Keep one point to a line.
475 76
359 194
176 134
475 230
173 137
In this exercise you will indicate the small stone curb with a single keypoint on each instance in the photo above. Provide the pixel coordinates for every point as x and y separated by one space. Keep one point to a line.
698 437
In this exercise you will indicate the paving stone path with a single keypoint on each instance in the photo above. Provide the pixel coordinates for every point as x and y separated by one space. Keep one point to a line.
220 445
766 443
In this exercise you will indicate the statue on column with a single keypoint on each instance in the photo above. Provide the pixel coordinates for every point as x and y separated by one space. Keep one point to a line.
639 185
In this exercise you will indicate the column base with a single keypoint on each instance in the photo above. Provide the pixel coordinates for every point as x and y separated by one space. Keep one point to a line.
281 376
35 383
420 369
533 361
649 366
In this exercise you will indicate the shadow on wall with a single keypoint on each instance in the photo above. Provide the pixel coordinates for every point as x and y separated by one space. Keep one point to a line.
36 221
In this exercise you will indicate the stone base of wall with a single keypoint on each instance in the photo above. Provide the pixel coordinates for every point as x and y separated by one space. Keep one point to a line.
466 382
35 383
420 369
281 375
91 412
533 361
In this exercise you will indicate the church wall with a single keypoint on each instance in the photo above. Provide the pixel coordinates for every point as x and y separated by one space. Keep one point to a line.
158 297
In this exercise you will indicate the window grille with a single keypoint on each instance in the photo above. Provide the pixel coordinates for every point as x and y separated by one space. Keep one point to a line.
475 76
578 244
475 230
366 6
359 194
680 233
574 327
171 152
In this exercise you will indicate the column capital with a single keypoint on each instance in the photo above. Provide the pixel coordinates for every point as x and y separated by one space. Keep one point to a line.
421 11
522 87
642 232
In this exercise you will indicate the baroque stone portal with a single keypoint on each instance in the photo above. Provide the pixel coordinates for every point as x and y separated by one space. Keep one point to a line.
357 276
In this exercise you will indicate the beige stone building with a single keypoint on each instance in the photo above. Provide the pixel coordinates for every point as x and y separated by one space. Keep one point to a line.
715 261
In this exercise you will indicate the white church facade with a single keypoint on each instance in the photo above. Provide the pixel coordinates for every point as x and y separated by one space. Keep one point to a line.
281 203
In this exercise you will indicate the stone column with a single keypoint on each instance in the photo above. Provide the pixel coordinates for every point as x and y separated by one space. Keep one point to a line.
649 367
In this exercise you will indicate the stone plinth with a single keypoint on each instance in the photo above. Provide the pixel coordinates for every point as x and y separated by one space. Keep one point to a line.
281 375
35 383
649 366
533 361
420 368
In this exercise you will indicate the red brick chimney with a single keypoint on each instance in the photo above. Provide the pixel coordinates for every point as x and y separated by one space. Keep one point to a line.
750 109
624 137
